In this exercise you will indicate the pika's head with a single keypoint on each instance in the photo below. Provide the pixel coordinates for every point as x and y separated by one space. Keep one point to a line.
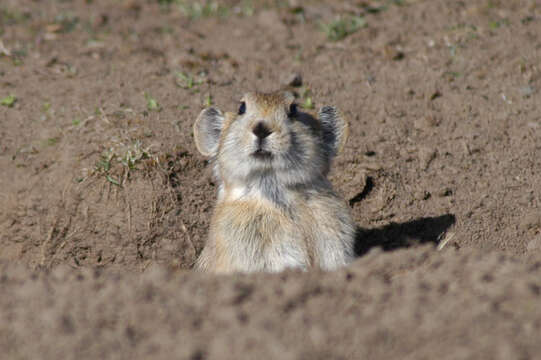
270 137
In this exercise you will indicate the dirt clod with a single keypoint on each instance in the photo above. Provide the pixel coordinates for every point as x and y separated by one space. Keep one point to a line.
293 79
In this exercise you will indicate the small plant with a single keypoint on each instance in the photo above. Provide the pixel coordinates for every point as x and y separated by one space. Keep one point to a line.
52 141
246 8
199 9
306 95
134 154
152 104
340 28
186 81
66 22
496 24
128 156
104 163
113 180
208 100
8 101
308 104
207 8
11 17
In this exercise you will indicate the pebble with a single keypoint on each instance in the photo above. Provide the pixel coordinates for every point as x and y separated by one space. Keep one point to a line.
422 195
526 91
530 221
425 122
446 191
534 244
426 155
392 53
293 79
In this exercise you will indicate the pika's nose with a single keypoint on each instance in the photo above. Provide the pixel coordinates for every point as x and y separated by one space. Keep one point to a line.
261 131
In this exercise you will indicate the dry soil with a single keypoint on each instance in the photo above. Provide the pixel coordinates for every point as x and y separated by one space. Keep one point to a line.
105 201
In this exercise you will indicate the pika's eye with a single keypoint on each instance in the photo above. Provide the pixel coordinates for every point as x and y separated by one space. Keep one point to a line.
292 111
242 108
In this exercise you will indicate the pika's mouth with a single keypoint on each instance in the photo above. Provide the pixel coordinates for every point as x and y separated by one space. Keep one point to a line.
261 154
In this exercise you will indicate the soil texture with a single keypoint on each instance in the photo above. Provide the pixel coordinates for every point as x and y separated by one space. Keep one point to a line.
105 201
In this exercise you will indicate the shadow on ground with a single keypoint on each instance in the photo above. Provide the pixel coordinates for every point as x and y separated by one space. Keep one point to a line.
394 236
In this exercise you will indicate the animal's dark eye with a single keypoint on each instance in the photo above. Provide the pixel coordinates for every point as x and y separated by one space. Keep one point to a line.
242 108
292 110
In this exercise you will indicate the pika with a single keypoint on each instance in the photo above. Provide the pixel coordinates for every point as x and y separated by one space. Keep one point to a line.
275 207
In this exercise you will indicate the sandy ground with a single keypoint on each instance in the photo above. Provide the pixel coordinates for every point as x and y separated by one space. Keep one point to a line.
106 202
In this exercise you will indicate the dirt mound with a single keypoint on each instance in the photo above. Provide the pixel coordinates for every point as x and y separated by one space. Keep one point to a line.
106 201
408 304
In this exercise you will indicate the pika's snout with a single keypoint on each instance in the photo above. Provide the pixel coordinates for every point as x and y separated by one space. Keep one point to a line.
261 130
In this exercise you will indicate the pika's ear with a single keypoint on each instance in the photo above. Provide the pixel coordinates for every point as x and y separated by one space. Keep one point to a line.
207 129
334 128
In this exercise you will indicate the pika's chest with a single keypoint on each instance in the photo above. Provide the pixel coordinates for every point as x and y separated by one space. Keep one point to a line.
252 222
252 237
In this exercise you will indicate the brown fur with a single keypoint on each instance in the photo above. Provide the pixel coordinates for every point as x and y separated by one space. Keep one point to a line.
276 211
